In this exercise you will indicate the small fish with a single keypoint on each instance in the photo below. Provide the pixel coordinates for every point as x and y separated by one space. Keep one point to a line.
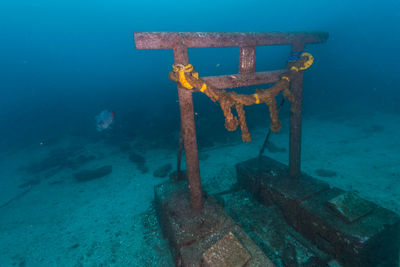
104 120
217 65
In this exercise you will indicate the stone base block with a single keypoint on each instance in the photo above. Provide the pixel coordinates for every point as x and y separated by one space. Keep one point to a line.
356 234
192 233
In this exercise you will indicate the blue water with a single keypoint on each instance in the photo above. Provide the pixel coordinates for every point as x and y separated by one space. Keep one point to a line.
63 62
57 56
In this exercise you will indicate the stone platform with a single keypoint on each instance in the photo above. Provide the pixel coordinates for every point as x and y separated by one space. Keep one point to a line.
268 228
354 231
206 238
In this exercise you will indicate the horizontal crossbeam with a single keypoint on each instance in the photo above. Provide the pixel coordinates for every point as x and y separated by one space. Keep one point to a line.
242 80
169 40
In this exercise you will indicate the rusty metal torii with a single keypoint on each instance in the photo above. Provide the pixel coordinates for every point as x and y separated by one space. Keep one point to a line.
180 42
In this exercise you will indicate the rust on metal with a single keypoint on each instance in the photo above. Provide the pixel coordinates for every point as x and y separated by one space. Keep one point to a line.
241 80
295 119
247 59
189 134
169 40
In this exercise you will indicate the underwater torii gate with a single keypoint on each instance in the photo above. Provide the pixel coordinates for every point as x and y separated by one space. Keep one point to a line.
341 226
247 42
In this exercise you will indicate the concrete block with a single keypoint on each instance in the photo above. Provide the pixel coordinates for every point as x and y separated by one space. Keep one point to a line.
191 233
353 230
227 252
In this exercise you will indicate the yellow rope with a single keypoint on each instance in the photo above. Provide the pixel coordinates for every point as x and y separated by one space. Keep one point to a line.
189 79
181 70
309 61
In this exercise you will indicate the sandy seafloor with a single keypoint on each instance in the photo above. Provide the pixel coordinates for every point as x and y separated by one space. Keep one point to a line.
56 221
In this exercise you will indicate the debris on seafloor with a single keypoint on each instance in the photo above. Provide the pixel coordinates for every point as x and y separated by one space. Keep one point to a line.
124 147
274 148
325 173
72 157
87 175
140 162
163 171
182 176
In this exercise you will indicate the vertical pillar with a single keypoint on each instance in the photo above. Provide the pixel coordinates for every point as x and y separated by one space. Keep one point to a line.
295 119
247 59
189 134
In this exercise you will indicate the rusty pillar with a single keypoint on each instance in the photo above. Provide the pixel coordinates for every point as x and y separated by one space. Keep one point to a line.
247 59
295 119
189 133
